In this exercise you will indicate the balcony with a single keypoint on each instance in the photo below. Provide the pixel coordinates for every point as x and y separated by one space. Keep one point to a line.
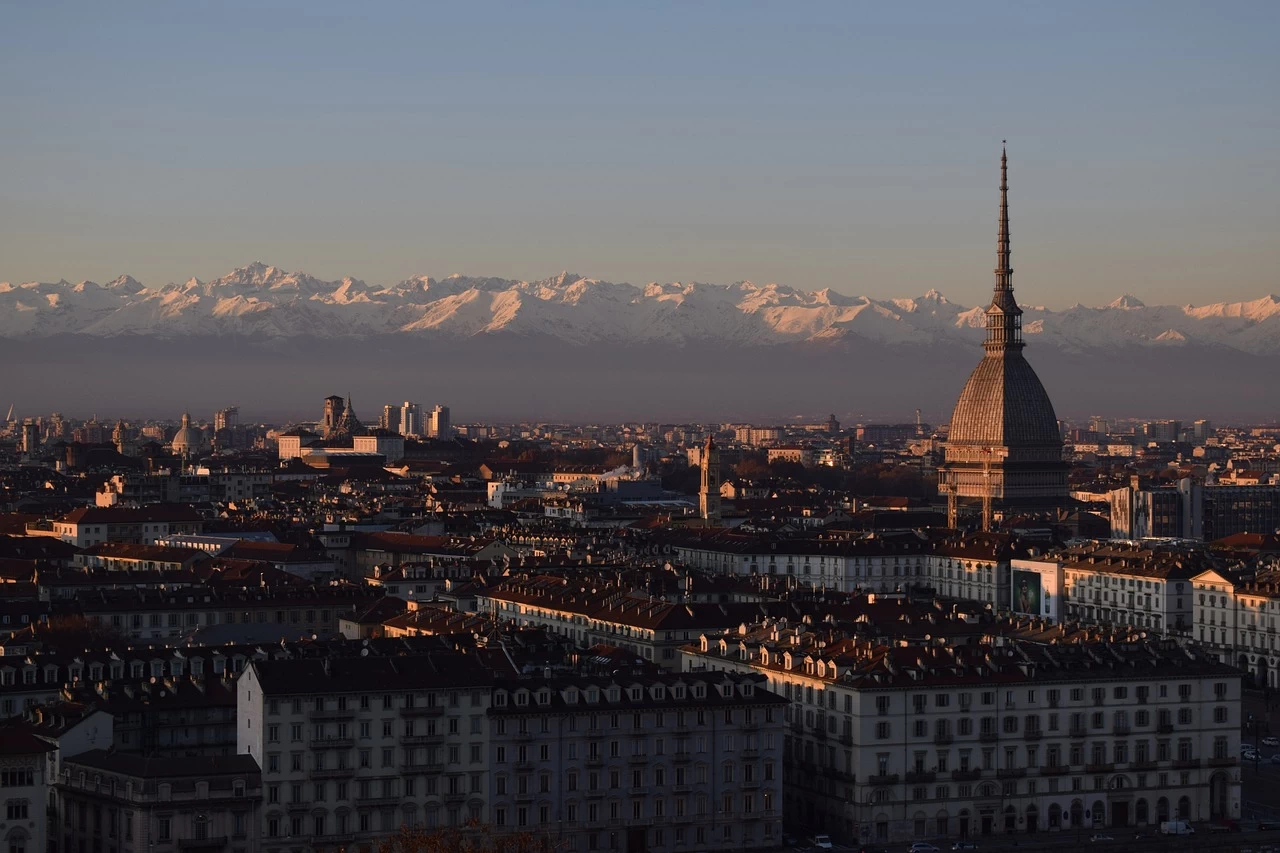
421 740
988 737
1101 767
640 758
423 711
888 779
1227 761
966 775
1077 731
338 839
943 738
421 767
1165 728
333 773
1143 765
332 743
1120 729
216 843
919 776
1011 773
846 740
327 716
595 761
751 753
1032 734
377 801
1054 770
1186 764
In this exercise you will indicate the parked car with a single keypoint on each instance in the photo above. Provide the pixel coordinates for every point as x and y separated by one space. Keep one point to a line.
1099 837
965 845
1271 741
923 847
822 842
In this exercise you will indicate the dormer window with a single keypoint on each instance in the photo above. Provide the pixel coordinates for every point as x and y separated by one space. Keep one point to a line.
659 692
677 692
544 697
500 699
522 698
635 694
593 695
615 694
699 691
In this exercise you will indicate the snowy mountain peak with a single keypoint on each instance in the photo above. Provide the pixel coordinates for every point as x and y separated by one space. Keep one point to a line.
263 301
1126 302
125 282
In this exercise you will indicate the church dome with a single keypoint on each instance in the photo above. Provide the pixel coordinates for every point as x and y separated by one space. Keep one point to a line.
1004 405
186 440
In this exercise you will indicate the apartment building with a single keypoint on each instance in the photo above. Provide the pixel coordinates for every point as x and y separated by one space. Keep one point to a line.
914 741
1121 584
122 803
659 763
975 566
353 748
91 525
26 763
590 611
1235 619
155 614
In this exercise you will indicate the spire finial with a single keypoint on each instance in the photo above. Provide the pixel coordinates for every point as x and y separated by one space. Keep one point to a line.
1004 321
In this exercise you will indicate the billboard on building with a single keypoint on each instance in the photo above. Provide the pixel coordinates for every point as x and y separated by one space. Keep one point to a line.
1028 593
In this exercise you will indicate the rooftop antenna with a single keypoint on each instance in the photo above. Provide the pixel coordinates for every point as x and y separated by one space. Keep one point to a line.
919 425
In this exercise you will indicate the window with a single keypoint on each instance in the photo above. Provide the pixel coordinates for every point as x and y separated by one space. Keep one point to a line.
16 809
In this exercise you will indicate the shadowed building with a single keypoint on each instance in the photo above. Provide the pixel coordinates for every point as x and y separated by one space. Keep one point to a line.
1004 448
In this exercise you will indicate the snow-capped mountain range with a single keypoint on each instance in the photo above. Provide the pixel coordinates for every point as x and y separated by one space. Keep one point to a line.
263 301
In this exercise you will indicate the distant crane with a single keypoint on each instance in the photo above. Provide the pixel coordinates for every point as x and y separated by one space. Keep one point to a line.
919 425
9 417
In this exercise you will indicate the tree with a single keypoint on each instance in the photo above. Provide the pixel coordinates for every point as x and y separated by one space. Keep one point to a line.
471 838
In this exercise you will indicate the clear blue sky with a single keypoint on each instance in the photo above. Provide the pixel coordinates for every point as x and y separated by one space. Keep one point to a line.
844 145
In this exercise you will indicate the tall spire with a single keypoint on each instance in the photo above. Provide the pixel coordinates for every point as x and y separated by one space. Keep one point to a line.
1004 268
1004 317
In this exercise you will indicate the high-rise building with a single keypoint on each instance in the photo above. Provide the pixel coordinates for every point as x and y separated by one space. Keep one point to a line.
1201 431
709 494
1004 449
440 426
226 418
1162 432
30 437
390 420
410 419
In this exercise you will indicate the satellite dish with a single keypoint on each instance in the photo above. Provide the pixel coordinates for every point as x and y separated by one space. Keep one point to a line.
364 653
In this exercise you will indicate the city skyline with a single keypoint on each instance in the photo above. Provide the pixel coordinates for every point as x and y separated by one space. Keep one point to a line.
840 148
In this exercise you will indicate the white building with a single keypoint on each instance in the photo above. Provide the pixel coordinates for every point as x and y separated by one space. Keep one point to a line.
903 742
1236 620
27 763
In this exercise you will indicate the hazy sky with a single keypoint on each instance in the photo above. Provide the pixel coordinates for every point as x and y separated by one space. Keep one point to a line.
844 145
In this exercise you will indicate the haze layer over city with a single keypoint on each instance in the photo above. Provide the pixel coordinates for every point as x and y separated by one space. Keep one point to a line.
516 428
